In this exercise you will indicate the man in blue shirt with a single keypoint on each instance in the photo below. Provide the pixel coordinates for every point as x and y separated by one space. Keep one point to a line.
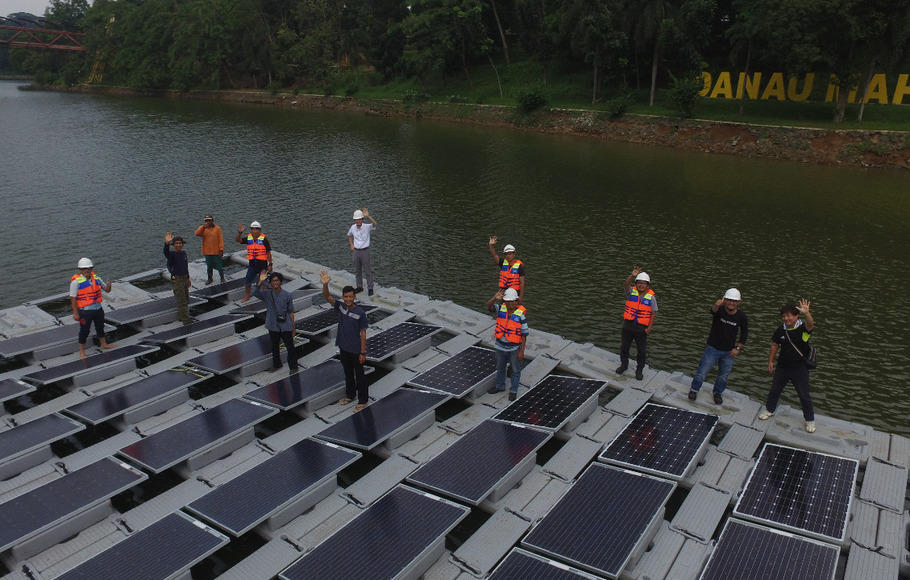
279 317
511 334
179 267
351 341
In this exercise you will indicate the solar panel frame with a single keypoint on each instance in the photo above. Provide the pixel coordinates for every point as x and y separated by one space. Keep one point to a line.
602 520
38 510
383 542
523 565
11 389
152 308
664 441
480 461
217 290
244 502
545 406
28 437
193 436
747 550
383 419
325 320
301 387
461 373
73 368
805 492
397 339
179 542
241 354
28 343
188 330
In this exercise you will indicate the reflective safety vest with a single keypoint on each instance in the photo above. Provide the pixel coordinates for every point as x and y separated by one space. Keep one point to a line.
255 247
638 308
509 327
508 276
89 290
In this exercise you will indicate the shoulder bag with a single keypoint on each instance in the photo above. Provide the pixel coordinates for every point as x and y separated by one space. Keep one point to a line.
811 359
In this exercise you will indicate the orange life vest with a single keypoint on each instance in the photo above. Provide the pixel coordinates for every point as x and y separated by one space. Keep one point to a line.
638 308
255 247
509 326
89 290
508 275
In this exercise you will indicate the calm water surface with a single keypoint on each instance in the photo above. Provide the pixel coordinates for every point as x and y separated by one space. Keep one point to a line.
106 177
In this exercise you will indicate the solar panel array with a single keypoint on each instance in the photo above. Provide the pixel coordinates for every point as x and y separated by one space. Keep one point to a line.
459 374
302 386
800 491
392 340
237 355
31 342
216 290
137 312
73 368
11 388
601 520
749 551
186 330
661 440
324 321
34 434
552 402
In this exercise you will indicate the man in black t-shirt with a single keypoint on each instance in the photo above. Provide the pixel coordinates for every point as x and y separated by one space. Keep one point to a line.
723 345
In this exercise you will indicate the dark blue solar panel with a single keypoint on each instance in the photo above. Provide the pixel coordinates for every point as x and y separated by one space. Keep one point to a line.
381 542
33 341
802 491
325 320
459 374
137 312
521 565
73 368
552 402
373 425
748 551
392 340
216 290
11 388
601 520
237 355
250 498
35 434
144 391
662 440
161 551
37 510
475 464
191 436
186 330
300 387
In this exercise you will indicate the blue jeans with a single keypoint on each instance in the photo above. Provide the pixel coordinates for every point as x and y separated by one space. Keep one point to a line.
510 357
712 357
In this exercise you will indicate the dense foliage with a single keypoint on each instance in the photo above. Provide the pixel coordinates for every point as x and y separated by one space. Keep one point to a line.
608 44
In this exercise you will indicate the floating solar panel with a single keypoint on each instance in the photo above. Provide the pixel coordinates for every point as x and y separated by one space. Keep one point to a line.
407 337
662 440
11 388
801 491
217 290
324 321
188 330
35 434
460 374
390 539
748 551
195 435
238 355
384 419
302 299
28 515
129 397
606 517
250 498
98 361
165 550
553 402
302 386
482 461
28 343
151 310
522 565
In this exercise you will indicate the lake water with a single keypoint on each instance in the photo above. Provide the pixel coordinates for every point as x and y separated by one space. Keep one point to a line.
106 177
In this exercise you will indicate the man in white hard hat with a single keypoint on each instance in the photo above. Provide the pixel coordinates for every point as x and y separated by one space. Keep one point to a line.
85 298
510 334
638 320
511 269
729 331
258 254
359 239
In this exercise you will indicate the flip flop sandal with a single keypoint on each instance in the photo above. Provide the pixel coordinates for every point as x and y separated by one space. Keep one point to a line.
360 407
345 401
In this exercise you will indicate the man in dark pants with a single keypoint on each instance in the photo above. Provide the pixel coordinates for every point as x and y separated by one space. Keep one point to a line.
179 267
638 320
722 348
279 317
351 341
258 254
85 298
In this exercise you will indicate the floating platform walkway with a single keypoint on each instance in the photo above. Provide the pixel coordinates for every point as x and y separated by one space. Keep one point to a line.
180 454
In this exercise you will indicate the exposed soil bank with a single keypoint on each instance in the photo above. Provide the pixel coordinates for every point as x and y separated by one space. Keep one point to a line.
889 149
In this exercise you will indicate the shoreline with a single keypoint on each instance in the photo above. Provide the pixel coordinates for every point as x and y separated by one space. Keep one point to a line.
854 147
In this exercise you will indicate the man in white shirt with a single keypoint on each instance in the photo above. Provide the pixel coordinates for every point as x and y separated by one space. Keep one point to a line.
359 238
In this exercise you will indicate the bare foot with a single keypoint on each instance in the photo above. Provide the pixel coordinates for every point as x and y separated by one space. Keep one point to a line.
82 355
246 299
108 346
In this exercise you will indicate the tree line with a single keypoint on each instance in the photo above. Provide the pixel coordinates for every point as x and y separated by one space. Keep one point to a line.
231 44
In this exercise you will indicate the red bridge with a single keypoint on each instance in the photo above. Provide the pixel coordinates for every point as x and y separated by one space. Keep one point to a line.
41 38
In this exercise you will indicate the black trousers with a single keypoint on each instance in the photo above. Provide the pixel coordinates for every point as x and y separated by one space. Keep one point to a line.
355 379
641 346
277 338
89 318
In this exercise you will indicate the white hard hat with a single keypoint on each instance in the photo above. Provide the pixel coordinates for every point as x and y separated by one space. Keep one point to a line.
733 294
358 215
508 248
85 263
510 294
644 277
255 225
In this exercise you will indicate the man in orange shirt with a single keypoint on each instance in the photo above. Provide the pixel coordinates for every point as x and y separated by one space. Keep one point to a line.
212 246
